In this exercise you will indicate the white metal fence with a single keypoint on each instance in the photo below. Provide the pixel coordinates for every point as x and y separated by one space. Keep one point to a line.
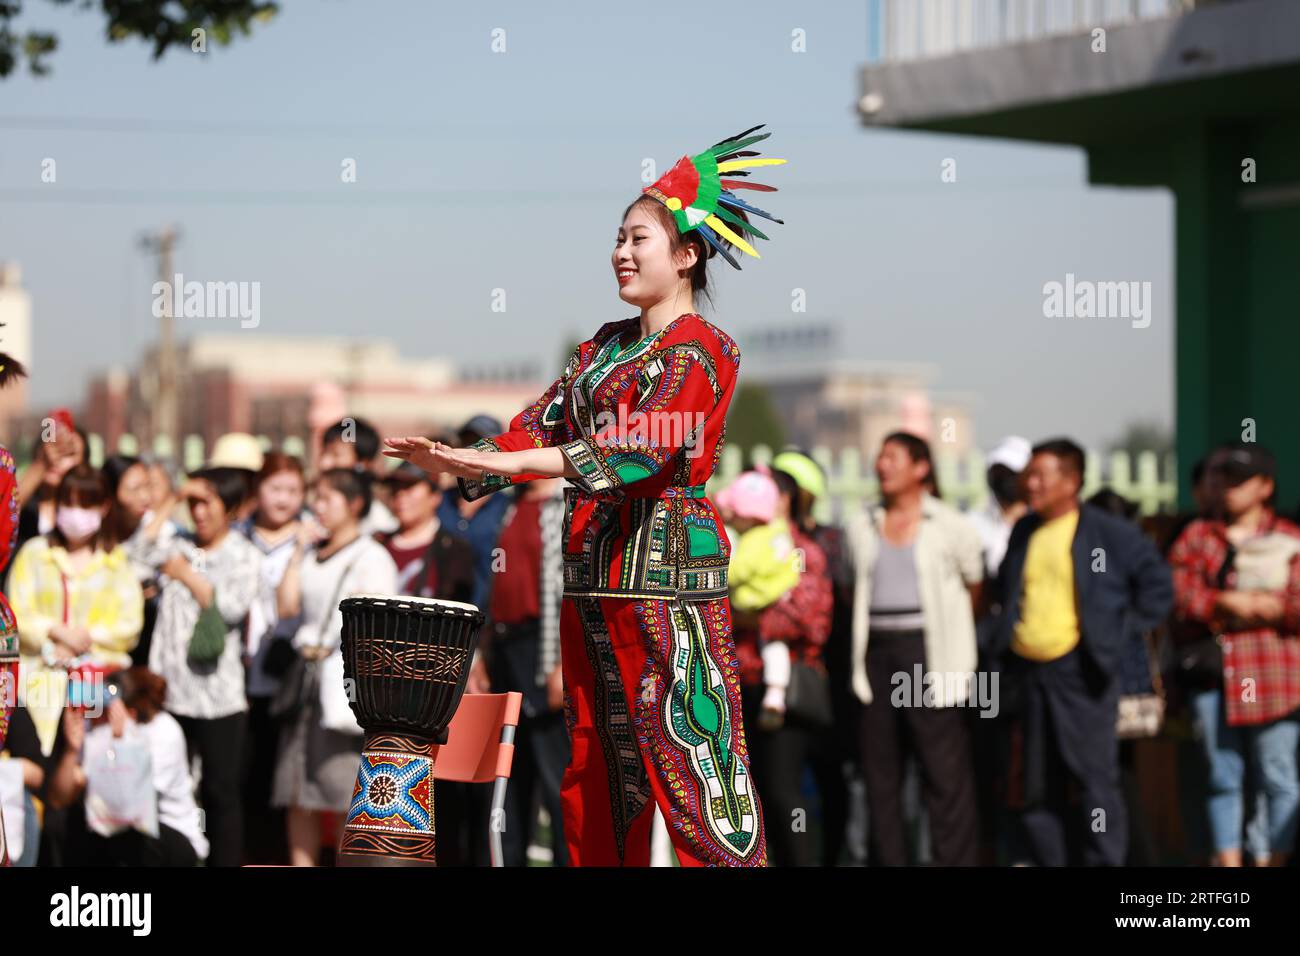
851 480
918 29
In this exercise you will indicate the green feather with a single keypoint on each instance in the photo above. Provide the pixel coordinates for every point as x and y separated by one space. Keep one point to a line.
725 148
723 213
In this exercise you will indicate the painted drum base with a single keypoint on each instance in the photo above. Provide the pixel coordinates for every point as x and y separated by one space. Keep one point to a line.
390 821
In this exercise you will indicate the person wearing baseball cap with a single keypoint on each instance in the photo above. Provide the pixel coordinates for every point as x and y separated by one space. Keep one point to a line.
478 428
1004 506
1006 502
1238 463
431 562
1236 578
478 522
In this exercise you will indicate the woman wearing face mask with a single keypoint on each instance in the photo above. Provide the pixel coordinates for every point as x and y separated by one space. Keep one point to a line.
78 601
636 423
281 488
320 742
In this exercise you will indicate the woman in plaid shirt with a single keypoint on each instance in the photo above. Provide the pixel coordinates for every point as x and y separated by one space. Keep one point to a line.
1238 578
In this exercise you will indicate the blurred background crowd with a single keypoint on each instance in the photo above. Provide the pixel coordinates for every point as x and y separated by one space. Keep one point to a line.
1044 680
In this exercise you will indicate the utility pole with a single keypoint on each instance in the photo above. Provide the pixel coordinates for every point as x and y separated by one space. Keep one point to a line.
166 411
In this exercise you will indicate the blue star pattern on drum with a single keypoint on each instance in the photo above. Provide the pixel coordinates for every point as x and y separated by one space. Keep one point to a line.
392 794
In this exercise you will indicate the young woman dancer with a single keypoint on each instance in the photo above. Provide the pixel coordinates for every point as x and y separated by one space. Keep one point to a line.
636 422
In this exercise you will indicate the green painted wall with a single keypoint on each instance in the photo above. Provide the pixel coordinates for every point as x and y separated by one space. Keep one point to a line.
1237 266
1237 280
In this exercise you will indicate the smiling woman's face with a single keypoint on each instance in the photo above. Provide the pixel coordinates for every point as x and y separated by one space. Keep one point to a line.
643 261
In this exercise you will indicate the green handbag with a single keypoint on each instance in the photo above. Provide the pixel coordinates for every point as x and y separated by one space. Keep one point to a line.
209 638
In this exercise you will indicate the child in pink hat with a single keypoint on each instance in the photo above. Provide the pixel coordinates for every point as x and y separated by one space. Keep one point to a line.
764 564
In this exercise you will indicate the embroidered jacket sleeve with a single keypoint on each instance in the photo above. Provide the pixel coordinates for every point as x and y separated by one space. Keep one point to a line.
682 396
540 425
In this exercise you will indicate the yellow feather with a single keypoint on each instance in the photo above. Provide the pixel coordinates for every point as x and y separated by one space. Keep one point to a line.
721 229
731 164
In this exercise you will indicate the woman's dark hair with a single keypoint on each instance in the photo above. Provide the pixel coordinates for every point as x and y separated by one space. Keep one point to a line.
83 484
365 437
82 487
10 367
141 690
119 524
918 449
799 501
231 485
115 466
354 484
677 241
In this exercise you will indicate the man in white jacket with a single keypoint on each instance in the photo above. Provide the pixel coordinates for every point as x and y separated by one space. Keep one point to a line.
918 565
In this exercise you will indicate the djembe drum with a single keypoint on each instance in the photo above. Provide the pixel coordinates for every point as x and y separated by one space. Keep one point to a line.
407 660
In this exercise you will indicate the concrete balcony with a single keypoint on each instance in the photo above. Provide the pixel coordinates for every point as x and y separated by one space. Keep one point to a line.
1007 67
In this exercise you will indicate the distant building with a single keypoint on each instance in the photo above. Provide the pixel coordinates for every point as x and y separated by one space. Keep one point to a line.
15 339
278 386
852 404
825 401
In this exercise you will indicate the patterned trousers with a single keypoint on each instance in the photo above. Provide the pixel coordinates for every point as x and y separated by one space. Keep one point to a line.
652 702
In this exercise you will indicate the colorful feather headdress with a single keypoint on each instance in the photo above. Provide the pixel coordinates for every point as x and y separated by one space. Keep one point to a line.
698 192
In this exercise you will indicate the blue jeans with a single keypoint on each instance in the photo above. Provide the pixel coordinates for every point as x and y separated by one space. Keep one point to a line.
1272 747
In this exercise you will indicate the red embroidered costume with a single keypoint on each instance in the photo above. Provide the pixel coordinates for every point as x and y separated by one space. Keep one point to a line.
652 684
8 626
650 671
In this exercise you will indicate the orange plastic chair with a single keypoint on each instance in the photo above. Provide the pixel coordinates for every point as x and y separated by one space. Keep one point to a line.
480 748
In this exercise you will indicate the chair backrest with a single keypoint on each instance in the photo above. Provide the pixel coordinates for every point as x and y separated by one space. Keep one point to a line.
474 752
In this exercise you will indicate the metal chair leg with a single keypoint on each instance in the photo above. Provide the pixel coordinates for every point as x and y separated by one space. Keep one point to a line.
497 821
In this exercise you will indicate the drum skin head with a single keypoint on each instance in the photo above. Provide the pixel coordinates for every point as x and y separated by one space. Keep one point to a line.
402 599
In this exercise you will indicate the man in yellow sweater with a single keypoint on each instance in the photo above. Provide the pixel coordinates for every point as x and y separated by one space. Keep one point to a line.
1076 584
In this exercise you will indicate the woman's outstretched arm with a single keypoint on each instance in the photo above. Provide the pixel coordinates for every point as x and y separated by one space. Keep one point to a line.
437 458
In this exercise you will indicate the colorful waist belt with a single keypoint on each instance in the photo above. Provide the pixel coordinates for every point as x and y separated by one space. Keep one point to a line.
672 491
682 491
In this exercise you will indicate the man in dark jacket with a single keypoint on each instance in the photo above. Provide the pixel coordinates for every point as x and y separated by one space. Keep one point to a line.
1076 584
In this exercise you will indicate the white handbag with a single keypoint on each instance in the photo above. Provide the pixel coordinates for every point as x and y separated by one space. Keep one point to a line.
335 707
120 792
335 712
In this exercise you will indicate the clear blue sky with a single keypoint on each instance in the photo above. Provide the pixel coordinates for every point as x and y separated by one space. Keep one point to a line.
479 170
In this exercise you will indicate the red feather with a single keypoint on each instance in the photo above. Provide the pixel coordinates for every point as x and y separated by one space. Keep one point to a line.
741 184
